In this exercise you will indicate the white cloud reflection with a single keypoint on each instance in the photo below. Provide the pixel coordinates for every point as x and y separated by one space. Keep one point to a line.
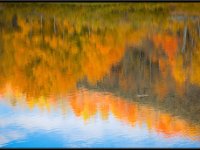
74 132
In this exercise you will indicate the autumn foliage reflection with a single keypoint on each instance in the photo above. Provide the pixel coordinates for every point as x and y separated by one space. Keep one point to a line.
86 104
42 64
90 104
46 56
45 53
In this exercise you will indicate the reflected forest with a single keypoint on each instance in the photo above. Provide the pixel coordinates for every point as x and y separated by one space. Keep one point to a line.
136 62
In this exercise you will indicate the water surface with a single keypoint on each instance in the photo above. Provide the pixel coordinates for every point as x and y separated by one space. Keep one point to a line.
100 75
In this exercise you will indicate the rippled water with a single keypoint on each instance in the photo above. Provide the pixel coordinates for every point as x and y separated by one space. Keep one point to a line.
99 75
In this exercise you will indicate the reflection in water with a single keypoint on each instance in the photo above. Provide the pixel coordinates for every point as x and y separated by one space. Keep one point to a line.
87 103
106 70
90 106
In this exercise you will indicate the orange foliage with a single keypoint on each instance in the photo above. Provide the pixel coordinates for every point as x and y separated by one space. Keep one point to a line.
86 104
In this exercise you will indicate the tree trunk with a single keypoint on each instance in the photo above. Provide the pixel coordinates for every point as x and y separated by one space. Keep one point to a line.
54 24
198 26
184 39
150 71
41 23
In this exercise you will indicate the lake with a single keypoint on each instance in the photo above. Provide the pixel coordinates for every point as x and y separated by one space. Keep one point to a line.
99 75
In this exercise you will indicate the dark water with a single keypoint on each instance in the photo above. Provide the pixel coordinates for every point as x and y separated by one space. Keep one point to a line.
99 75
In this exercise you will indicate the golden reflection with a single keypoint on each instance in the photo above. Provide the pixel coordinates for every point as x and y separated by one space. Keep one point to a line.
130 113
46 55
50 64
86 104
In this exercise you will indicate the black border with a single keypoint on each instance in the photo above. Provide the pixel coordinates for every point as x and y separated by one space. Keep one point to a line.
99 1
